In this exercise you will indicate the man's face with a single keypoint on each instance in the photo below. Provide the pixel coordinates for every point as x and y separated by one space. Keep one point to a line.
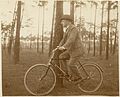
64 23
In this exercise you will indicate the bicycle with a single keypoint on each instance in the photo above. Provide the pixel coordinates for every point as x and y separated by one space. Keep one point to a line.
45 78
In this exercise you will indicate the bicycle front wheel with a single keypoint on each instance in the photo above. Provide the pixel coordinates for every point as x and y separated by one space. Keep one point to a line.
39 79
91 77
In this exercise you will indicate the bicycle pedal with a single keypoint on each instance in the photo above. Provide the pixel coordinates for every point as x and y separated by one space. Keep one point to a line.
78 81
61 77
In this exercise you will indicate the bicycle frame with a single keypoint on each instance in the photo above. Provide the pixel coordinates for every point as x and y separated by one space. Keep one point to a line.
50 63
63 72
55 65
83 68
47 72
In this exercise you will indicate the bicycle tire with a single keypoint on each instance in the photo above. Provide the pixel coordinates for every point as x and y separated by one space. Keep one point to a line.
38 87
90 85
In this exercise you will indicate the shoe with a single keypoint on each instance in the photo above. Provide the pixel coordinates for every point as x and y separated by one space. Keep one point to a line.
76 79
67 75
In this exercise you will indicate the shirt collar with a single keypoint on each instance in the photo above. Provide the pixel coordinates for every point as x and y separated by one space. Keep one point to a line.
65 28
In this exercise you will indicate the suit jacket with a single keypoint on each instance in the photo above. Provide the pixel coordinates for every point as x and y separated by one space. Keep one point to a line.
72 42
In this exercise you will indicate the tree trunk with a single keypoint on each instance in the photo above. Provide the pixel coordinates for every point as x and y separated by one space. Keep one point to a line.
38 35
80 19
11 38
43 30
111 41
114 46
89 43
38 43
17 38
58 36
72 10
12 32
51 36
107 44
58 27
94 29
101 30
30 44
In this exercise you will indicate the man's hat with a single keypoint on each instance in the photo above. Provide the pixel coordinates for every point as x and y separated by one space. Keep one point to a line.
67 17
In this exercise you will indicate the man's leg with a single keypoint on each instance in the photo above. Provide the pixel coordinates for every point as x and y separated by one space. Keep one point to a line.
63 63
72 69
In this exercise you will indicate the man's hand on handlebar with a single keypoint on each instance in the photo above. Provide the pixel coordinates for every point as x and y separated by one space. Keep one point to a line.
59 48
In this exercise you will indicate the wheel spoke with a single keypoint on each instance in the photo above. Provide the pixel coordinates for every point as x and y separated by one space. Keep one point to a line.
94 79
38 82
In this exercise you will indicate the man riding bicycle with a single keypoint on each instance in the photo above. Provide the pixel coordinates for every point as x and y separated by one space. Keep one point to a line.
70 47
72 44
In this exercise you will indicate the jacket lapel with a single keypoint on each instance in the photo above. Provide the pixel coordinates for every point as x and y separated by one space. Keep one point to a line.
68 29
67 32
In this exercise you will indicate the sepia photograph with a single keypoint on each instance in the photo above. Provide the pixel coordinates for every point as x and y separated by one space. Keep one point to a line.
60 47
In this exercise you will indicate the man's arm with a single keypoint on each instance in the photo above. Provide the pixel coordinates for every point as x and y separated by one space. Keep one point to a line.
62 41
71 38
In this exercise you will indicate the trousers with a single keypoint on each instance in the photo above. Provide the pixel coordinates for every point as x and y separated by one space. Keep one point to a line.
70 66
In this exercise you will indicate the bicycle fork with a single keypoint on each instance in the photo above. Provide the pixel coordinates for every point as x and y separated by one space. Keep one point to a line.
41 78
84 71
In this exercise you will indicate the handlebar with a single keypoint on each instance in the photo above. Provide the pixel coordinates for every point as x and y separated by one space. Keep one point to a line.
57 48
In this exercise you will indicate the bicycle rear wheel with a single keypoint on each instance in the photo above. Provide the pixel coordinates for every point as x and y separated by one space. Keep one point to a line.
33 82
91 77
